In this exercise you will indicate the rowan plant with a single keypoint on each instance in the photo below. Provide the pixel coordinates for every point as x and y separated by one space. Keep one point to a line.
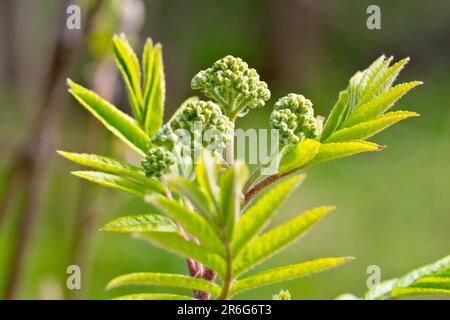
203 204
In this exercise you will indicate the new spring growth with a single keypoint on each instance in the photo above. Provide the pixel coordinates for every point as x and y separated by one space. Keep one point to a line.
222 237
157 162
233 85
197 119
293 116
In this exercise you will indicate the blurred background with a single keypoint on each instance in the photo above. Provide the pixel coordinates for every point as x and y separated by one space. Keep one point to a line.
393 206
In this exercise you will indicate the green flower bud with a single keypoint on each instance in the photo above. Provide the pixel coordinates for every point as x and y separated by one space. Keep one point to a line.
293 116
231 83
201 120
157 162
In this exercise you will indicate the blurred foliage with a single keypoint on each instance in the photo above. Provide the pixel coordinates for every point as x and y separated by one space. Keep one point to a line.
316 45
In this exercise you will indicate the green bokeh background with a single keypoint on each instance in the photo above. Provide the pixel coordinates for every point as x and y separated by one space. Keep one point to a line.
393 206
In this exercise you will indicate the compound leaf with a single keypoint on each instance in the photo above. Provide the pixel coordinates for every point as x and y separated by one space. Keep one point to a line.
367 129
331 151
384 80
230 195
122 125
192 192
192 222
433 282
336 116
379 105
104 164
154 88
299 156
277 239
177 244
207 174
141 223
113 166
425 271
112 181
290 272
259 214
128 64
165 279
402 292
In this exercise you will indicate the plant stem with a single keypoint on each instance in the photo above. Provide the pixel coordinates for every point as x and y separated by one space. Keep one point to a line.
260 186
254 176
228 281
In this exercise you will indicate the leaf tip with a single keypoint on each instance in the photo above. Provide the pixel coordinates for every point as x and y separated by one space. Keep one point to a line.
348 259
80 174
416 83
71 84
111 285
104 228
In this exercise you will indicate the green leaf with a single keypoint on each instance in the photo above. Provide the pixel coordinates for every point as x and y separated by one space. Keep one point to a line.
445 274
336 116
433 282
367 93
386 80
260 213
367 129
353 92
230 196
406 285
331 151
104 164
379 105
128 64
380 291
425 271
147 64
207 174
123 126
112 181
285 273
192 222
154 296
167 280
299 156
154 88
369 74
402 292
192 192
185 248
141 223
277 239
114 166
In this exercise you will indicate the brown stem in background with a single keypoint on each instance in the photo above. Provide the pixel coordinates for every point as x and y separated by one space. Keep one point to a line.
33 159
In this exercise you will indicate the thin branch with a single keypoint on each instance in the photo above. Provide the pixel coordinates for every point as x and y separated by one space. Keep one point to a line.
263 184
